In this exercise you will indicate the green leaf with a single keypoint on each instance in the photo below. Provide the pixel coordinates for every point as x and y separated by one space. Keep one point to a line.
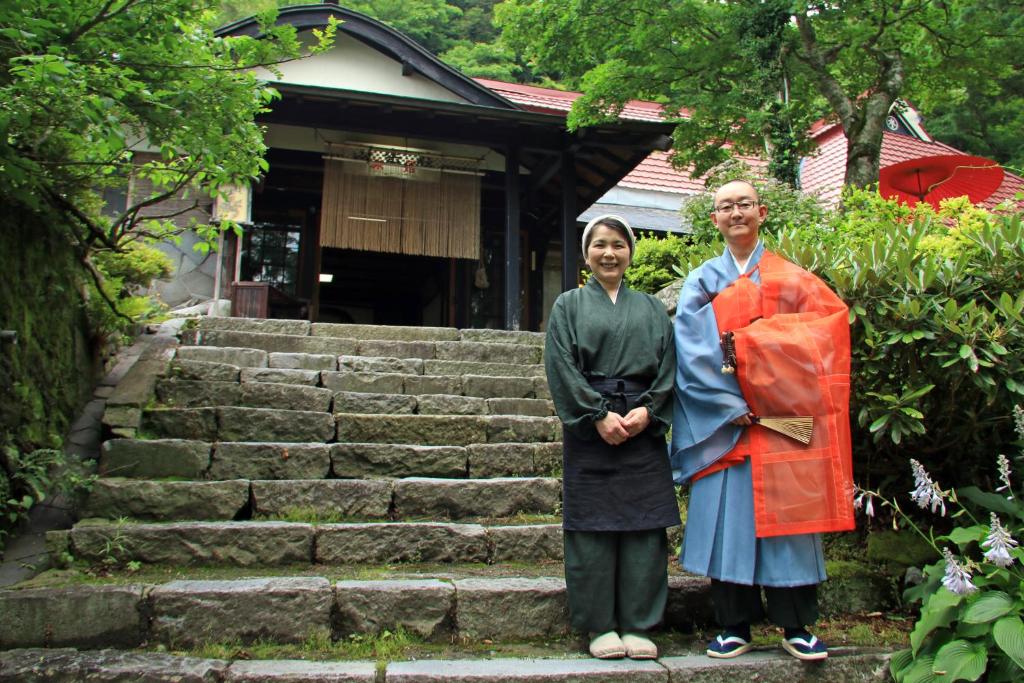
939 612
1009 636
960 660
964 535
965 351
878 424
988 607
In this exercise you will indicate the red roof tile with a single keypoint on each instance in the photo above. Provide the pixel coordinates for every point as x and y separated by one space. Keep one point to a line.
550 101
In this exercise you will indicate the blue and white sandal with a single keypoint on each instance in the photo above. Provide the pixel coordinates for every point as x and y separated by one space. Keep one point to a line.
727 647
806 647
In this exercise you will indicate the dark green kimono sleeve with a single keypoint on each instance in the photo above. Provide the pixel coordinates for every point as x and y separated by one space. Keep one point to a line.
658 399
577 404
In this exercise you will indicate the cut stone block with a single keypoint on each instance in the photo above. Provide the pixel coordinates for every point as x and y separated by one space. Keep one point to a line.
303 361
354 460
401 366
279 609
527 671
154 459
198 424
774 666
432 384
183 393
488 352
232 460
103 666
166 500
510 428
136 387
241 357
427 430
203 370
498 387
375 404
442 404
511 609
238 544
502 336
400 542
395 349
391 332
458 367
540 388
300 671
547 458
285 396
346 497
526 543
367 382
309 378
265 325
279 343
520 406
122 417
689 602
82 616
459 498
263 424
501 460
423 607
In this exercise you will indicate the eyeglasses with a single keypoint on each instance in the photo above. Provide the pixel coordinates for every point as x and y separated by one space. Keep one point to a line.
745 205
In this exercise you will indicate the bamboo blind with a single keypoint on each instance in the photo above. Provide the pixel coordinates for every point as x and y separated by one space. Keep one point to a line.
436 214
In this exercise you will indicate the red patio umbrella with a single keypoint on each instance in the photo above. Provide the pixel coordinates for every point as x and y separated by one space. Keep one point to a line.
932 179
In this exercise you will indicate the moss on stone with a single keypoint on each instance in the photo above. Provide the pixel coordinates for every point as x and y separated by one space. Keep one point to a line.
900 548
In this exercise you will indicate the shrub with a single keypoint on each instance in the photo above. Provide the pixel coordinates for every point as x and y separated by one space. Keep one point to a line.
126 277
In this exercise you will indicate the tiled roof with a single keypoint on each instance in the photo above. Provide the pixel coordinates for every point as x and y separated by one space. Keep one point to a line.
656 173
550 101
823 173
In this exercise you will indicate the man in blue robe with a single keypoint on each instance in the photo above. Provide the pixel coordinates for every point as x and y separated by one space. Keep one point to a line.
711 414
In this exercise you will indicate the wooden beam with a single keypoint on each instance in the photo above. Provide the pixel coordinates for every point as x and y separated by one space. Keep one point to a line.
569 259
512 256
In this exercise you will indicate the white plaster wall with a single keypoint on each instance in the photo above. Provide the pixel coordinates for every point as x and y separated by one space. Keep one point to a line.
353 65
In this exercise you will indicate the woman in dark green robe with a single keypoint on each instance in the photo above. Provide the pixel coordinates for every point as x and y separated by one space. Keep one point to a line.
610 361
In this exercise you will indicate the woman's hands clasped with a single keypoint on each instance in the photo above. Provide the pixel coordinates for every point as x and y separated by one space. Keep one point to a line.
615 428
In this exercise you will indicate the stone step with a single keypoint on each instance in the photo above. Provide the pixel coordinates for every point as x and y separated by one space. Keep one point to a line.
850 665
185 459
271 543
478 351
413 497
181 393
367 332
373 375
233 423
295 609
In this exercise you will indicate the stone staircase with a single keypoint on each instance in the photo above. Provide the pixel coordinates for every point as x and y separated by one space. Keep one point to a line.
312 482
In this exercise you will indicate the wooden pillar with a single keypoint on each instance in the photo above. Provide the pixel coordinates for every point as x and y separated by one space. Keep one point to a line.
512 256
570 276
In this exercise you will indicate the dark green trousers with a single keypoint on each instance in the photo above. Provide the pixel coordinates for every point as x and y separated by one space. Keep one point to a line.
616 580
735 604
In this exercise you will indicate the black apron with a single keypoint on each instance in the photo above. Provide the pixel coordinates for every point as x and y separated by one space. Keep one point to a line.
617 488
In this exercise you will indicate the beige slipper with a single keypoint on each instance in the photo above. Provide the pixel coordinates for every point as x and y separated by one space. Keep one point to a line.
607 646
639 647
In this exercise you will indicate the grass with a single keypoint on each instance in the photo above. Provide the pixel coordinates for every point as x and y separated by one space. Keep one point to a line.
870 631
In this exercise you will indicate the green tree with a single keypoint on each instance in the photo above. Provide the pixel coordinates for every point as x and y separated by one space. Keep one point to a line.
740 76
428 22
83 84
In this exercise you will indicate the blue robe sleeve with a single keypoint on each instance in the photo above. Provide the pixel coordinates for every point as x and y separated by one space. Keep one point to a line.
706 401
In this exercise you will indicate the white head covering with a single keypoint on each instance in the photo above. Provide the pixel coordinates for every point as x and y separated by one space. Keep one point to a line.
594 222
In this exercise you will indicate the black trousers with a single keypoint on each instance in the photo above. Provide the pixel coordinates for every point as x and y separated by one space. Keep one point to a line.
616 580
737 604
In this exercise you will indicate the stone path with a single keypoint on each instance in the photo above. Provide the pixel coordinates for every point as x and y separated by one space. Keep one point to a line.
295 449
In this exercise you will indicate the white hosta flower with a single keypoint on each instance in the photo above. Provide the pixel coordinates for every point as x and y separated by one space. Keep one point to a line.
864 501
926 492
999 542
1004 473
957 579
